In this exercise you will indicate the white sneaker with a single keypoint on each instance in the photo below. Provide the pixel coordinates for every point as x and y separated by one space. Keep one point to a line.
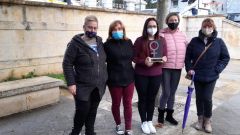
151 127
145 127
119 130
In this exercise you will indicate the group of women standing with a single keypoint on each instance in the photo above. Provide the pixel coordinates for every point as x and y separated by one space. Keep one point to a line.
87 74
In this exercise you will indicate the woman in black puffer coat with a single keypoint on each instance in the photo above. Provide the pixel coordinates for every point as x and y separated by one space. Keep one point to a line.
207 70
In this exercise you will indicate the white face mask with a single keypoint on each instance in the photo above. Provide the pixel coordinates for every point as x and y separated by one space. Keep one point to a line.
207 31
152 31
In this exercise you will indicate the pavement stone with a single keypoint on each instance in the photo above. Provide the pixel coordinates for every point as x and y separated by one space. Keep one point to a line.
57 119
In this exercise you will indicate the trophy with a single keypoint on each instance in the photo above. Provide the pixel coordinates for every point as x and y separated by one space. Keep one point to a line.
156 52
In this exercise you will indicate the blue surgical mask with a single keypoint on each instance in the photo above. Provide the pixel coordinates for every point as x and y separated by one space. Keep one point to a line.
117 35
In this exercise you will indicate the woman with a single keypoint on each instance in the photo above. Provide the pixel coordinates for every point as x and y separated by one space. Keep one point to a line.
119 53
206 70
176 47
86 75
148 73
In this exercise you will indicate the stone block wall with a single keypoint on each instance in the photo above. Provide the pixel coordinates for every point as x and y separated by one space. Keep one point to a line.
34 35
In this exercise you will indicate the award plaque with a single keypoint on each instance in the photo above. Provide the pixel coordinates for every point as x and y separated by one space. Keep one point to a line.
156 49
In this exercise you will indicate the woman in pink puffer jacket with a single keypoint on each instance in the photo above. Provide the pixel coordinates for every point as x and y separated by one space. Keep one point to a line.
176 43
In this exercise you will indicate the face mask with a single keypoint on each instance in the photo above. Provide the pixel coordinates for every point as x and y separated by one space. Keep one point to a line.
207 31
173 26
117 35
91 34
152 31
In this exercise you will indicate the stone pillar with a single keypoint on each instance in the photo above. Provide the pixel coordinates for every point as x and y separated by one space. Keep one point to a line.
91 3
107 4
130 5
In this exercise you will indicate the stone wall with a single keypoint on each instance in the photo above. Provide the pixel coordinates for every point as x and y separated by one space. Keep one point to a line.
228 30
34 35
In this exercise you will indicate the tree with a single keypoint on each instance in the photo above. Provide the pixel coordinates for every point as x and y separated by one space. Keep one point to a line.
162 11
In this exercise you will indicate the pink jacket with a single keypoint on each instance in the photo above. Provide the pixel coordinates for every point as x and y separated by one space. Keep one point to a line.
176 48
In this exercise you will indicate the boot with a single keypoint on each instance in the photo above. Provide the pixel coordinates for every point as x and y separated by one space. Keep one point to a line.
207 125
170 118
199 125
161 115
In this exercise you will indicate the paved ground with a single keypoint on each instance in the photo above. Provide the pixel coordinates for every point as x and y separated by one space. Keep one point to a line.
57 119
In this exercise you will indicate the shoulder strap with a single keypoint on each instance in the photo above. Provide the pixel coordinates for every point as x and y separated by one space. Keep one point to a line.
200 56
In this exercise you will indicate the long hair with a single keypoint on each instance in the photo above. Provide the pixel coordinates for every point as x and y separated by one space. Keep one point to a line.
113 25
145 33
145 48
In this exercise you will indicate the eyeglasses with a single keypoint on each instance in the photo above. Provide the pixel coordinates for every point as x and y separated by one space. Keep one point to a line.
152 26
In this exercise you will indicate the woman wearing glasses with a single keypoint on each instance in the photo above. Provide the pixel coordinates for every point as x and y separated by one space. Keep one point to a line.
148 73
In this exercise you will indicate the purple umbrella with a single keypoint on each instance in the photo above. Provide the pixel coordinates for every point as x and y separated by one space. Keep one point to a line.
188 101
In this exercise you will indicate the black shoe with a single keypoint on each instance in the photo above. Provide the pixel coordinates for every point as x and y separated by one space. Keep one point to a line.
128 132
170 118
161 115
119 130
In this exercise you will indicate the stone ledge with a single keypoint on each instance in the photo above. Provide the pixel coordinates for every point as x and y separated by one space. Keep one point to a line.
24 86
47 4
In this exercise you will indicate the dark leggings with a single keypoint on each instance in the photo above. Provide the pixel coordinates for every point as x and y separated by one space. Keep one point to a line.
85 113
147 89
171 78
204 92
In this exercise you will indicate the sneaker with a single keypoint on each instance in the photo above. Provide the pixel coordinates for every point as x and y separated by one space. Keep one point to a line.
119 130
151 127
128 132
145 128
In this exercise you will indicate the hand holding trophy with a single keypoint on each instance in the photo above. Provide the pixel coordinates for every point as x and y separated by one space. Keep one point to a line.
156 52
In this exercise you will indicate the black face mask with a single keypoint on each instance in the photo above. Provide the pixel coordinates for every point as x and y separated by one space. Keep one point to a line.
173 26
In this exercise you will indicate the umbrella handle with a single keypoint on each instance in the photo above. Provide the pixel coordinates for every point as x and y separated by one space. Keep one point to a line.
192 80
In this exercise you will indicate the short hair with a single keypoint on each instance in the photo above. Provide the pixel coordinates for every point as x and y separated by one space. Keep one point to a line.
113 25
208 22
90 18
170 15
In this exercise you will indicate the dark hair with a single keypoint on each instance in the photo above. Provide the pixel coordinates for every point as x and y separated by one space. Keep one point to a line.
113 25
145 33
208 22
170 15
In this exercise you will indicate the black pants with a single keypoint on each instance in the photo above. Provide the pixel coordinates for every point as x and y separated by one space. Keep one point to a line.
147 89
85 114
204 92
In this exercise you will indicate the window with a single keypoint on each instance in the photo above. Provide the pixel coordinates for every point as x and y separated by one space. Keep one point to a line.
174 3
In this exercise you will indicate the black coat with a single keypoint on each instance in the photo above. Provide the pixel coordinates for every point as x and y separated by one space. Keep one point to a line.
85 68
119 62
212 63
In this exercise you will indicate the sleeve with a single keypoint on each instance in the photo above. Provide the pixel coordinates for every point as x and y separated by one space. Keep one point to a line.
136 53
189 56
106 51
68 64
165 53
223 58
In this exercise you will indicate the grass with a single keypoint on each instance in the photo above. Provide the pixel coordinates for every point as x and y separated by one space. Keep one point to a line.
57 76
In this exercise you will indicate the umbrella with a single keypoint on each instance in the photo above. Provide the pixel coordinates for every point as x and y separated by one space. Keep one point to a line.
188 101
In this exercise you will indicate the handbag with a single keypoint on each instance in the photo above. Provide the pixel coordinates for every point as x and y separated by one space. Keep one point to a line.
189 76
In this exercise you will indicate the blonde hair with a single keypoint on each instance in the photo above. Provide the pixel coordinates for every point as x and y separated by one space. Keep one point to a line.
113 25
90 18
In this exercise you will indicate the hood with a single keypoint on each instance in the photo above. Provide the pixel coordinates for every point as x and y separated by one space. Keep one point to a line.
211 38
